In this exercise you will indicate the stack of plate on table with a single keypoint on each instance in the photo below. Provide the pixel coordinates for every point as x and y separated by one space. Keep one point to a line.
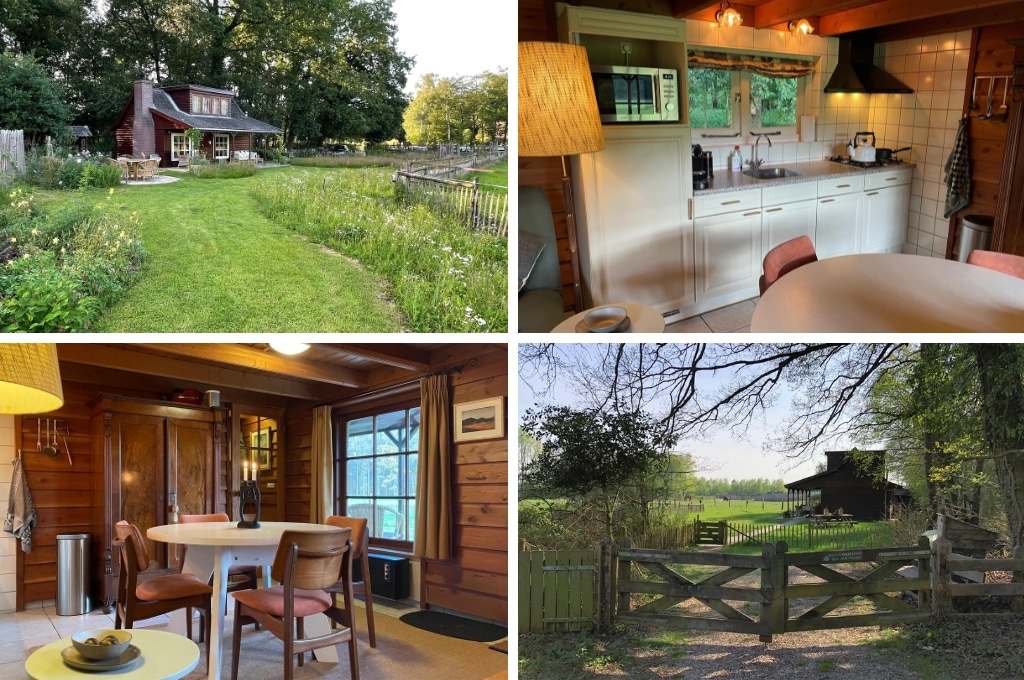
101 650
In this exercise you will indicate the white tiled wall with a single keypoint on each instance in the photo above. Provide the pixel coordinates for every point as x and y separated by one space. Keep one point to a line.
935 67
8 544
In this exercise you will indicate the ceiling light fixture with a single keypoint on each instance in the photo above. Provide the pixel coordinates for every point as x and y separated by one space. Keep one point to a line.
288 347
803 26
29 378
727 16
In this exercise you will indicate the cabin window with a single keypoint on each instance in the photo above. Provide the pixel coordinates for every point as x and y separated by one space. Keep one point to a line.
221 147
379 463
731 94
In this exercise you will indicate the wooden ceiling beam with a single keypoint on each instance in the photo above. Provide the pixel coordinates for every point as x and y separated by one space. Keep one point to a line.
241 356
123 358
782 12
889 12
746 11
399 356
950 23
686 8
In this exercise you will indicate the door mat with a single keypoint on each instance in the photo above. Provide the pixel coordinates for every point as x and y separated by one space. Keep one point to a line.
454 626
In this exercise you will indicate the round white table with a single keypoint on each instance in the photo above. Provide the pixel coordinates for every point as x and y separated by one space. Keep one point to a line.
213 546
165 656
643 319
875 293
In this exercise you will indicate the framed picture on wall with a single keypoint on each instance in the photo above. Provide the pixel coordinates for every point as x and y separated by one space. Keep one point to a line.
483 419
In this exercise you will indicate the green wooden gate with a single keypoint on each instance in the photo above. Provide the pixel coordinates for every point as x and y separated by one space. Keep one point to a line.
557 590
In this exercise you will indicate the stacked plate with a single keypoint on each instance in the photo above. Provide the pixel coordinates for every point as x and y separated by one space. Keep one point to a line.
100 650
604 320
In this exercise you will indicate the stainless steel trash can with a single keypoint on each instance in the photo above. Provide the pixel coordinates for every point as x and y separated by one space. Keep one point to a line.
975 234
72 574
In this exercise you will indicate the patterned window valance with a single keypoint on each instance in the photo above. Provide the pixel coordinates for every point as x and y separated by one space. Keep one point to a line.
772 67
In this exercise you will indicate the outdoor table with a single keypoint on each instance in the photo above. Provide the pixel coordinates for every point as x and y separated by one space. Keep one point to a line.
165 656
213 547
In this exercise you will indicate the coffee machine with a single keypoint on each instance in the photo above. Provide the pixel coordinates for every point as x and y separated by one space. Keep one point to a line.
703 168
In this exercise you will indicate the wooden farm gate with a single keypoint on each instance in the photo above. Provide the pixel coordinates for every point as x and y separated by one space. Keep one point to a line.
12 152
557 590
658 573
710 533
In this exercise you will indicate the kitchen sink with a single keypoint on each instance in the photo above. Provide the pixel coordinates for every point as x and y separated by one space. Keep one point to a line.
772 173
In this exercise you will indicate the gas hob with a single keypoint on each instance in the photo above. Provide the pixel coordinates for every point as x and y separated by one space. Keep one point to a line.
846 160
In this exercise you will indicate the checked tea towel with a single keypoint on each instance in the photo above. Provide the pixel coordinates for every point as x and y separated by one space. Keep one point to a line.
958 173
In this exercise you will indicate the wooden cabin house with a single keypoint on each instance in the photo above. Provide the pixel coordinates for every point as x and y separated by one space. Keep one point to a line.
149 430
860 490
154 121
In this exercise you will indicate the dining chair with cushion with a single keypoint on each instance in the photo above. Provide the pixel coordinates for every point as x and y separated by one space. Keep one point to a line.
786 257
305 564
240 576
360 548
1000 262
139 599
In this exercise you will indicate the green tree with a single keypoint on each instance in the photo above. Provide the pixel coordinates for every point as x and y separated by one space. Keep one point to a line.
592 456
32 101
460 110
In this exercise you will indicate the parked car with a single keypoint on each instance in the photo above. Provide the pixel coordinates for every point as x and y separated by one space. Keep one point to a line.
339 150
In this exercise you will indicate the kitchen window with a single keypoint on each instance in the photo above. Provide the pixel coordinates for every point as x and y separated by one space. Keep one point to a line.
380 453
731 94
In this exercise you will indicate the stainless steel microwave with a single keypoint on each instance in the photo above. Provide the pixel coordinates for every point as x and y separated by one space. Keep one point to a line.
636 94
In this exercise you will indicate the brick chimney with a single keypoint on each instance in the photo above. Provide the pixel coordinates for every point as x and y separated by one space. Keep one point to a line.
143 132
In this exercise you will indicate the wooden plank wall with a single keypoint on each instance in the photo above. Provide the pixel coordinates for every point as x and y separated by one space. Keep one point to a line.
986 138
537 22
475 581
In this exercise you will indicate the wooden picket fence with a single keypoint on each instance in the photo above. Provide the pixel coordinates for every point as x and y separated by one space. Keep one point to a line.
12 152
476 208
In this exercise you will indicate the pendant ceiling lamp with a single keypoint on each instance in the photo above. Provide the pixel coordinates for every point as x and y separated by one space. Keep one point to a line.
29 378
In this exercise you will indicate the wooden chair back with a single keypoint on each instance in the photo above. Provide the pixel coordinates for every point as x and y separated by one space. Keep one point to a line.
312 559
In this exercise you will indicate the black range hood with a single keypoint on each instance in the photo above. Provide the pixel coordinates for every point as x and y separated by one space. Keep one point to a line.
856 71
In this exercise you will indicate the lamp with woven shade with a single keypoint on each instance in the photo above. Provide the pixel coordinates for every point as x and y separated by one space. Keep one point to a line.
558 116
29 378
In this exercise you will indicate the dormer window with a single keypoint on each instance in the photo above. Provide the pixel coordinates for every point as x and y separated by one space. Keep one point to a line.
210 105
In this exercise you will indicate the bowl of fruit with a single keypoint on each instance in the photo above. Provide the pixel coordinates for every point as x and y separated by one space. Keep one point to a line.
102 643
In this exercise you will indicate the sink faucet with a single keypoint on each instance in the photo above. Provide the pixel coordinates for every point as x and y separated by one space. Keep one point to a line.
756 162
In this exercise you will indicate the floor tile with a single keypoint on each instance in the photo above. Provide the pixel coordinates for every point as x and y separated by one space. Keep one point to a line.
692 325
731 318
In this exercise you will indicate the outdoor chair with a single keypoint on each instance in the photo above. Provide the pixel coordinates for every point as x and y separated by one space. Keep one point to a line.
183 162
158 595
360 546
306 563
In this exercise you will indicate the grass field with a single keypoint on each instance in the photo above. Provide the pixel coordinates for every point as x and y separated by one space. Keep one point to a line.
715 510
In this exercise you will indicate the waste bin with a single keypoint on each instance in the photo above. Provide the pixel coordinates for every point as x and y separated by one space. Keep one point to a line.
72 574
975 234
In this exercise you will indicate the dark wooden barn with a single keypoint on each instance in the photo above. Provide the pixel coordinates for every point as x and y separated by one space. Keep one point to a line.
858 489
154 121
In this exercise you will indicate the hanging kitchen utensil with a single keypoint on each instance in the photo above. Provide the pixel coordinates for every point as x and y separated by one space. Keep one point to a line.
67 448
49 449
991 91
974 94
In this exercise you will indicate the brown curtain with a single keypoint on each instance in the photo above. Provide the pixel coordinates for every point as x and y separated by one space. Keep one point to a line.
772 67
433 486
321 503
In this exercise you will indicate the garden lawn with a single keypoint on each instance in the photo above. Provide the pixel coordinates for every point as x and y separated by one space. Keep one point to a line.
216 265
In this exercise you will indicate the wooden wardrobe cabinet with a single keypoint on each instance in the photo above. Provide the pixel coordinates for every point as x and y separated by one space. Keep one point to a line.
150 450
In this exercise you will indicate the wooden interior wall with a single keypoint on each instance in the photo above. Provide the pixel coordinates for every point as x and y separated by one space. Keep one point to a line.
986 138
475 581
61 492
537 22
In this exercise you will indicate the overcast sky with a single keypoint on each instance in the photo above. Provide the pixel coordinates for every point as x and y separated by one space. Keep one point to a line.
455 37
732 457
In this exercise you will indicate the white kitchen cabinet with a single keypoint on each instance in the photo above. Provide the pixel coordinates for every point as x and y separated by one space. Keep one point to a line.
789 211
728 249
885 211
837 231
635 236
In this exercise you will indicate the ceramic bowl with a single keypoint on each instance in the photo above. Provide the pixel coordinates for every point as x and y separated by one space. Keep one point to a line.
87 642
604 319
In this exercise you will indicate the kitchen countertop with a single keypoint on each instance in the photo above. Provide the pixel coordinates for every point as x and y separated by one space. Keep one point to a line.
727 180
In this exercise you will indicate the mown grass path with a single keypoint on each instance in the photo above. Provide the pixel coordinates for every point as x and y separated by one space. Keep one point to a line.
216 265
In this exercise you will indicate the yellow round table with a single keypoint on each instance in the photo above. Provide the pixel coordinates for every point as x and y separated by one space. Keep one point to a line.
165 656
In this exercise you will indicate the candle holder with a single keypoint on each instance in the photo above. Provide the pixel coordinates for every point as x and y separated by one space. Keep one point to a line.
249 505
